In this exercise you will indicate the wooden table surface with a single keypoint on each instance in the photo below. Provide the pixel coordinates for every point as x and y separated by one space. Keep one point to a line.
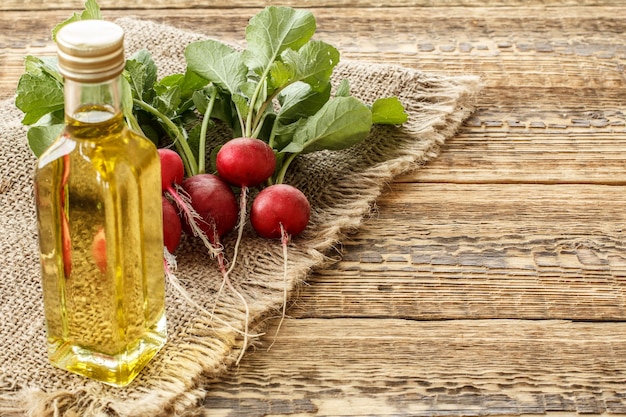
491 282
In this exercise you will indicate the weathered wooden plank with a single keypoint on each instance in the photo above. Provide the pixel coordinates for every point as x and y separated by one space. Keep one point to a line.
449 29
529 155
545 29
169 4
481 251
517 134
361 367
449 40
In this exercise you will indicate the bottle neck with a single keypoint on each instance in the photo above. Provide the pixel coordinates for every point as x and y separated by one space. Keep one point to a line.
92 102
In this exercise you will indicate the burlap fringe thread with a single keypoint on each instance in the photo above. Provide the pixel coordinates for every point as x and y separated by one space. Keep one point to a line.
437 109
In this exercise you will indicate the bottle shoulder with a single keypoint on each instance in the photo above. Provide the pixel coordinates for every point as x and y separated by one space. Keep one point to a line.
119 142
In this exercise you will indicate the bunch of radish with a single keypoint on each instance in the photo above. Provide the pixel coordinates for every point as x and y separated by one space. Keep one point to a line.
205 206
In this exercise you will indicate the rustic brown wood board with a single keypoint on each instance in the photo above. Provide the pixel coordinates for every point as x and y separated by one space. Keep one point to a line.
491 282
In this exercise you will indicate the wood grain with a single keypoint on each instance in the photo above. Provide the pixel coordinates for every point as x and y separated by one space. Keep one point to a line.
479 251
392 367
517 133
491 281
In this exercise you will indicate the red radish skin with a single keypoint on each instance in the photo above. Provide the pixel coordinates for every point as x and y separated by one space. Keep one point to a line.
99 249
172 169
66 239
245 162
215 202
276 205
66 244
172 227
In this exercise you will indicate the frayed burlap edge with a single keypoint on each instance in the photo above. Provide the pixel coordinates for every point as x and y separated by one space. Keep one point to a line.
213 353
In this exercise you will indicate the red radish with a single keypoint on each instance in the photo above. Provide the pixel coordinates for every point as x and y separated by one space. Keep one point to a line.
280 211
172 169
66 238
99 249
215 202
245 162
276 205
66 244
172 227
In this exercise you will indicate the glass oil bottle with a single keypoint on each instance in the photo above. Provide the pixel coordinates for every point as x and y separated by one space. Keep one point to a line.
98 198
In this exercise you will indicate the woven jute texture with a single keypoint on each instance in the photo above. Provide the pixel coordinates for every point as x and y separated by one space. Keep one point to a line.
341 186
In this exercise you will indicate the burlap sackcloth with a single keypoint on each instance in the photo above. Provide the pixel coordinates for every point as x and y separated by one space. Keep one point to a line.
341 186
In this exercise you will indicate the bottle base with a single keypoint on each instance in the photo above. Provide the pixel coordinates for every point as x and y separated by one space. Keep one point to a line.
117 370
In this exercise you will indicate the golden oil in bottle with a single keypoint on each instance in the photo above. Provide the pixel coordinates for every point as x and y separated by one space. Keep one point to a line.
98 196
